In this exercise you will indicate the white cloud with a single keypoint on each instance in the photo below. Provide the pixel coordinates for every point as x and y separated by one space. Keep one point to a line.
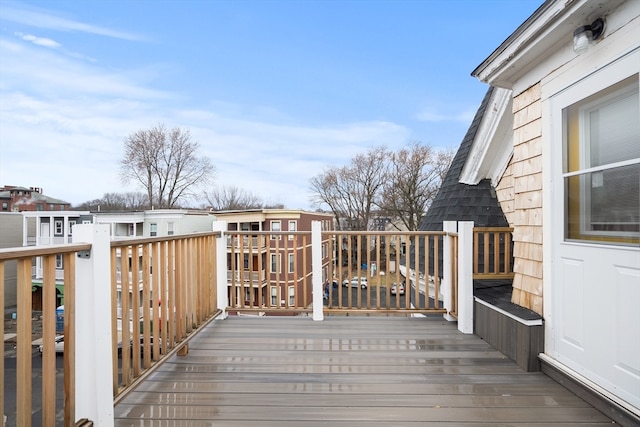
431 115
40 41
63 124
41 19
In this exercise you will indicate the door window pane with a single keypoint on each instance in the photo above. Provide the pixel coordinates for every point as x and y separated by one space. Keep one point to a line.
602 165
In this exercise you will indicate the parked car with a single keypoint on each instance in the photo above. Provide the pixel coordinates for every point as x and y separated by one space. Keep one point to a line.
397 289
355 282
59 345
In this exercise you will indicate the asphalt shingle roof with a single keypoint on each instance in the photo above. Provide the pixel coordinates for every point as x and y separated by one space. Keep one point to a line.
462 202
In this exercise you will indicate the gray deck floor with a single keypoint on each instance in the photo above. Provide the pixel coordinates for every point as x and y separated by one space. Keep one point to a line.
347 371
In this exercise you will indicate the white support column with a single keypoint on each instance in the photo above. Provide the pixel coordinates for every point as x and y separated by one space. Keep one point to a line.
221 266
94 388
316 270
25 230
52 230
465 277
65 229
447 265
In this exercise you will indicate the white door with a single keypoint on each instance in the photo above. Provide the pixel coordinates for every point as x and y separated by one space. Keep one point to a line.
594 319
45 236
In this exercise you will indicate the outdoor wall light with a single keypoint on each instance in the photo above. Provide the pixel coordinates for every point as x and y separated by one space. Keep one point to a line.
586 35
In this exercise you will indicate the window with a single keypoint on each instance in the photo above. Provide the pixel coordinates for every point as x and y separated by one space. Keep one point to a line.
57 225
5 206
170 229
39 207
274 295
293 226
246 261
292 264
275 226
59 264
292 296
72 222
274 263
153 229
130 231
602 165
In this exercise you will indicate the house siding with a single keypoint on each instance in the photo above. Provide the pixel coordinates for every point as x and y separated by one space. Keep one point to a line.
520 194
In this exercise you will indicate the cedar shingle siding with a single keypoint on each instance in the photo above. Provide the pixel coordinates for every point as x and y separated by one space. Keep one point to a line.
520 193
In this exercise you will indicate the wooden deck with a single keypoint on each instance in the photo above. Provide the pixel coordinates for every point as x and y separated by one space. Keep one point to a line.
347 371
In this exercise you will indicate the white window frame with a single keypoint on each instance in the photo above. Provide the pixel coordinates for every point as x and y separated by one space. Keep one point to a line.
559 93
586 171
292 296
59 262
153 229
274 262
170 228
274 295
293 226
292 262
585 160
58 227
272 227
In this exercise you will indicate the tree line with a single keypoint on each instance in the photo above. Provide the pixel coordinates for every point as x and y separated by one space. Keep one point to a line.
396 185
167 166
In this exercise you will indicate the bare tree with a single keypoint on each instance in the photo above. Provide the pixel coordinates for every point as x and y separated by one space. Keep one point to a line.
232 198
382 184
415 175
165 162
109 202
352 192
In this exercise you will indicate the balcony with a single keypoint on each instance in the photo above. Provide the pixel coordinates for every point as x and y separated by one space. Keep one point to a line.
199 351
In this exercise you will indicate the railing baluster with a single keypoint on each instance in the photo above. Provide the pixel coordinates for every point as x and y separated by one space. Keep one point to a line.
2 331
48 337
23 349
124 316
69 358
114 320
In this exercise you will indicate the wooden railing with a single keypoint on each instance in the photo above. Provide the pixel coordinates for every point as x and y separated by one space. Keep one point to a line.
380 259
493 253
23 259
176 294
173 285
274 277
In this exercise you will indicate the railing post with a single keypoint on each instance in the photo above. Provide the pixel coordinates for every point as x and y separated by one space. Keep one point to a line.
221 266
94 391
316 270
465 277
447 265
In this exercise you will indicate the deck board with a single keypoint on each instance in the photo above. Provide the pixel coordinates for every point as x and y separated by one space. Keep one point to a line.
347 371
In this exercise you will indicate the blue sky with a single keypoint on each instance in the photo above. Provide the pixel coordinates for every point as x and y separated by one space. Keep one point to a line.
273 91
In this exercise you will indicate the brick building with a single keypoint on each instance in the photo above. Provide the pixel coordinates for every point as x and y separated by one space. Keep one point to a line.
18 199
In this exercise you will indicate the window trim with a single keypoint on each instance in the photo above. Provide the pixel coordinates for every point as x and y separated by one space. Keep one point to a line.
274 261
279 228
583 171
291 263
290 228
58 227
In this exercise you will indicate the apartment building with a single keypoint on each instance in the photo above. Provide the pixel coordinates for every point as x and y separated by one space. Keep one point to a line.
272 269
19 199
